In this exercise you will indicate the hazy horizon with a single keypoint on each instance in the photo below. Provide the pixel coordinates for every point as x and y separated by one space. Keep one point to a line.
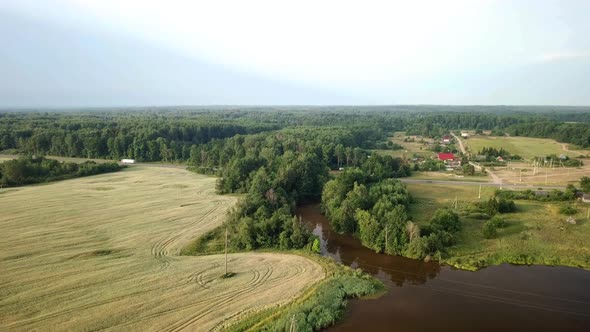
77 54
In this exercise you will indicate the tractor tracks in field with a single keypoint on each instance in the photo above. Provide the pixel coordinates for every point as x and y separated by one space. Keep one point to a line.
160 249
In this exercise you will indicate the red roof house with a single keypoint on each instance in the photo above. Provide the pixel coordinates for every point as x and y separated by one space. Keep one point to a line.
446 156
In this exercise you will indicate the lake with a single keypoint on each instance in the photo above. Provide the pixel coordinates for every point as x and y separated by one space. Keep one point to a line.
427 296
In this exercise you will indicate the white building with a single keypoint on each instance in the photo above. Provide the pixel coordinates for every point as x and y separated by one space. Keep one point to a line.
128 161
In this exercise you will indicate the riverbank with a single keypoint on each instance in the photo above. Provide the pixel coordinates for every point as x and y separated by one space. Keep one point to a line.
320 306
520 297
537 233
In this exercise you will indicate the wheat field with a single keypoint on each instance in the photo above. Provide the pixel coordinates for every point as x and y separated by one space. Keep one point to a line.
101 253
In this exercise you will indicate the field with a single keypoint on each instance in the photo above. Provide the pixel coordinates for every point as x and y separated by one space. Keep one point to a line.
525 147
536 234
523 173
449 176
102 253
409 148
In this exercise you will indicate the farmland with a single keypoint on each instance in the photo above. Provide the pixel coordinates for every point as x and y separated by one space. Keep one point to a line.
102 253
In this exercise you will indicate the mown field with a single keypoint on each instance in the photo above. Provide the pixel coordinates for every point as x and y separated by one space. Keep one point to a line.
536 234
102 253
525 147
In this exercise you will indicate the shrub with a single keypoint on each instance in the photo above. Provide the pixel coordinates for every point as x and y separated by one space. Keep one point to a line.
506 206
568 210
489 230
497 222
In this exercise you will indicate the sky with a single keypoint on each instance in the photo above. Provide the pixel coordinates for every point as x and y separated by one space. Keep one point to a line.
75 53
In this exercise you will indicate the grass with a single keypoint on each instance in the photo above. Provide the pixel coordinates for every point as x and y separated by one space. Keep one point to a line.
449 176
76 258
320 306
409 148
536 234
525 147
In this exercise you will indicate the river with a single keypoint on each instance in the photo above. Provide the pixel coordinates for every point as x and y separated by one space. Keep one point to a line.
427 296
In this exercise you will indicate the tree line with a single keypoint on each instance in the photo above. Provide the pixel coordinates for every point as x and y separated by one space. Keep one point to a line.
29 170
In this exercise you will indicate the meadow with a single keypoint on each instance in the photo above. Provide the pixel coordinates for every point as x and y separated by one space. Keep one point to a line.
525 147
536 234
102 252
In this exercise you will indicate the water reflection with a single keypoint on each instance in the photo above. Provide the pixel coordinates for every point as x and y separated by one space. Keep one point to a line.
349 251
501 297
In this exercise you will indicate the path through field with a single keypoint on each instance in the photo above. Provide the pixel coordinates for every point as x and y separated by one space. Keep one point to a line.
101 253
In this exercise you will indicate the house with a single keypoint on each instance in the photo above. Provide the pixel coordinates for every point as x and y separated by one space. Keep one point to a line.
446 156
464 134
446 139
127 161
586 198
500 158
450 160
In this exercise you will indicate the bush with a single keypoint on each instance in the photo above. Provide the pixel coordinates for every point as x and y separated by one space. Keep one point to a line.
489 230
498 222
568 210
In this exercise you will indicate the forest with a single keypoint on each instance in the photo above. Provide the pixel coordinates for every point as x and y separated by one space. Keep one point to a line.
277 158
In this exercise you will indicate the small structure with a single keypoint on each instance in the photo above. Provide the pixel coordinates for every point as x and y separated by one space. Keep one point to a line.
571 220
128 161
446 139
586 198
464 134
500 158
450 160
562 157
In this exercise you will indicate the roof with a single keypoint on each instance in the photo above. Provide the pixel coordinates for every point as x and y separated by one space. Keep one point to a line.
446 156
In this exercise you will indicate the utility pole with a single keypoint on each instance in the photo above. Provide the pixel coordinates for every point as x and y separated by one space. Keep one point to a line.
226 250
479 195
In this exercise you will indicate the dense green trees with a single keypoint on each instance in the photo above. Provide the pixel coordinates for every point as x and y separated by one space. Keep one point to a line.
28 170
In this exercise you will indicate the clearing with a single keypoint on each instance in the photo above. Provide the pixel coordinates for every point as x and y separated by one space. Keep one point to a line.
101 252
525 147
536 234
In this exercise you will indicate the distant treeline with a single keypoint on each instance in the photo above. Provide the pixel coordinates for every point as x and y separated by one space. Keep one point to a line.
157 134
29 170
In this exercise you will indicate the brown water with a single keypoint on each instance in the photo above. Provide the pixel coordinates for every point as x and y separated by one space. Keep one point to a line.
426 296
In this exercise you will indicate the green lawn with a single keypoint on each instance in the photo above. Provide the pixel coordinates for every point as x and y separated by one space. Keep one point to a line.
536 234
525 147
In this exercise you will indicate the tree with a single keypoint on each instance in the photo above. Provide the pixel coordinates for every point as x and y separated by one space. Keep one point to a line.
489 230
585 184
445 219
369 230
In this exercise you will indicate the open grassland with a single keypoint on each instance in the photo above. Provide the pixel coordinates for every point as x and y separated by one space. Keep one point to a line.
525 174
102 253
525 147
449 176
536 234
409 148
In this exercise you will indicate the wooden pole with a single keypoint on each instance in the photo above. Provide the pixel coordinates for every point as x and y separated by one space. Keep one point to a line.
226 251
